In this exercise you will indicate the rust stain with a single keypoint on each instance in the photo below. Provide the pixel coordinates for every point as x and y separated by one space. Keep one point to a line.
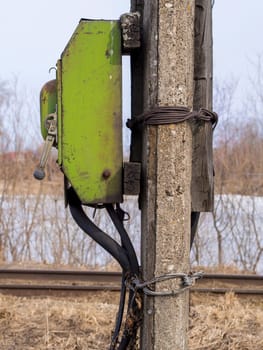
50 86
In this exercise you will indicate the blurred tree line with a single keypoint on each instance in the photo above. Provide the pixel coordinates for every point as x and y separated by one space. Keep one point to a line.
35 227
233 234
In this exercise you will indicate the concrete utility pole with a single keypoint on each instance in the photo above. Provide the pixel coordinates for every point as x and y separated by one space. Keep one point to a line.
167 168
168 76
163 75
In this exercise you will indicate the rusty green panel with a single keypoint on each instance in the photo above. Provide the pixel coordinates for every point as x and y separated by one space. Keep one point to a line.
90 119
48 102
59 112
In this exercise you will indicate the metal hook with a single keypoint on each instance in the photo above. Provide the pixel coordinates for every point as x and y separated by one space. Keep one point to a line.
51 68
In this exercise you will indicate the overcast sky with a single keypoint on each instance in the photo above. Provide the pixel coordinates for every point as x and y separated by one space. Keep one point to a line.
34 33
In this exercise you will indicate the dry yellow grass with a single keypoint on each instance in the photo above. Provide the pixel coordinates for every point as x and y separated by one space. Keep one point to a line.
55 323
216 323
226 323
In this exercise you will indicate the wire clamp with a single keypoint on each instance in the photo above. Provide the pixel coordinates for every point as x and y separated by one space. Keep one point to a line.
187 281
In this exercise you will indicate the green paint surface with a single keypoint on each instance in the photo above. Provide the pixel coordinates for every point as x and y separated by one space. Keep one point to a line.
48 102
89 111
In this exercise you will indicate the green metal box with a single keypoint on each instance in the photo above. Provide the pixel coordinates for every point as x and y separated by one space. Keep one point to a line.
89 111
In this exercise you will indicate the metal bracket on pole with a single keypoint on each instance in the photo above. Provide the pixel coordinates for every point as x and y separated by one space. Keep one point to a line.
131 38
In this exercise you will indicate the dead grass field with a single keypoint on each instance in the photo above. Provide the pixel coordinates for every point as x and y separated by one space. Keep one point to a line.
226 323
216 323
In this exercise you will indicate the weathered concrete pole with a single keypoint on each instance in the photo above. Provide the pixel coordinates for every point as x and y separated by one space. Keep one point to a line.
164 67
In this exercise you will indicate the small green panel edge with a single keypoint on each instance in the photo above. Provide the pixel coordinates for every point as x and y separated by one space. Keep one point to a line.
48 103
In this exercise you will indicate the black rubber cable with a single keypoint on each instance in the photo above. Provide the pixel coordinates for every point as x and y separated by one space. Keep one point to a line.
125 341
109 244
117 218
116 331
125 239
124 254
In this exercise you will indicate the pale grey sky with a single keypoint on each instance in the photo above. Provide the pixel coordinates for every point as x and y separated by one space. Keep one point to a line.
34 33
238 31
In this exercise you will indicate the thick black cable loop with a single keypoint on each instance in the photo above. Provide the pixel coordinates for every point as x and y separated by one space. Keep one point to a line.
125 255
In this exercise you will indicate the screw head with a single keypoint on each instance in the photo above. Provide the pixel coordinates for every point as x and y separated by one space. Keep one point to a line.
106 174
